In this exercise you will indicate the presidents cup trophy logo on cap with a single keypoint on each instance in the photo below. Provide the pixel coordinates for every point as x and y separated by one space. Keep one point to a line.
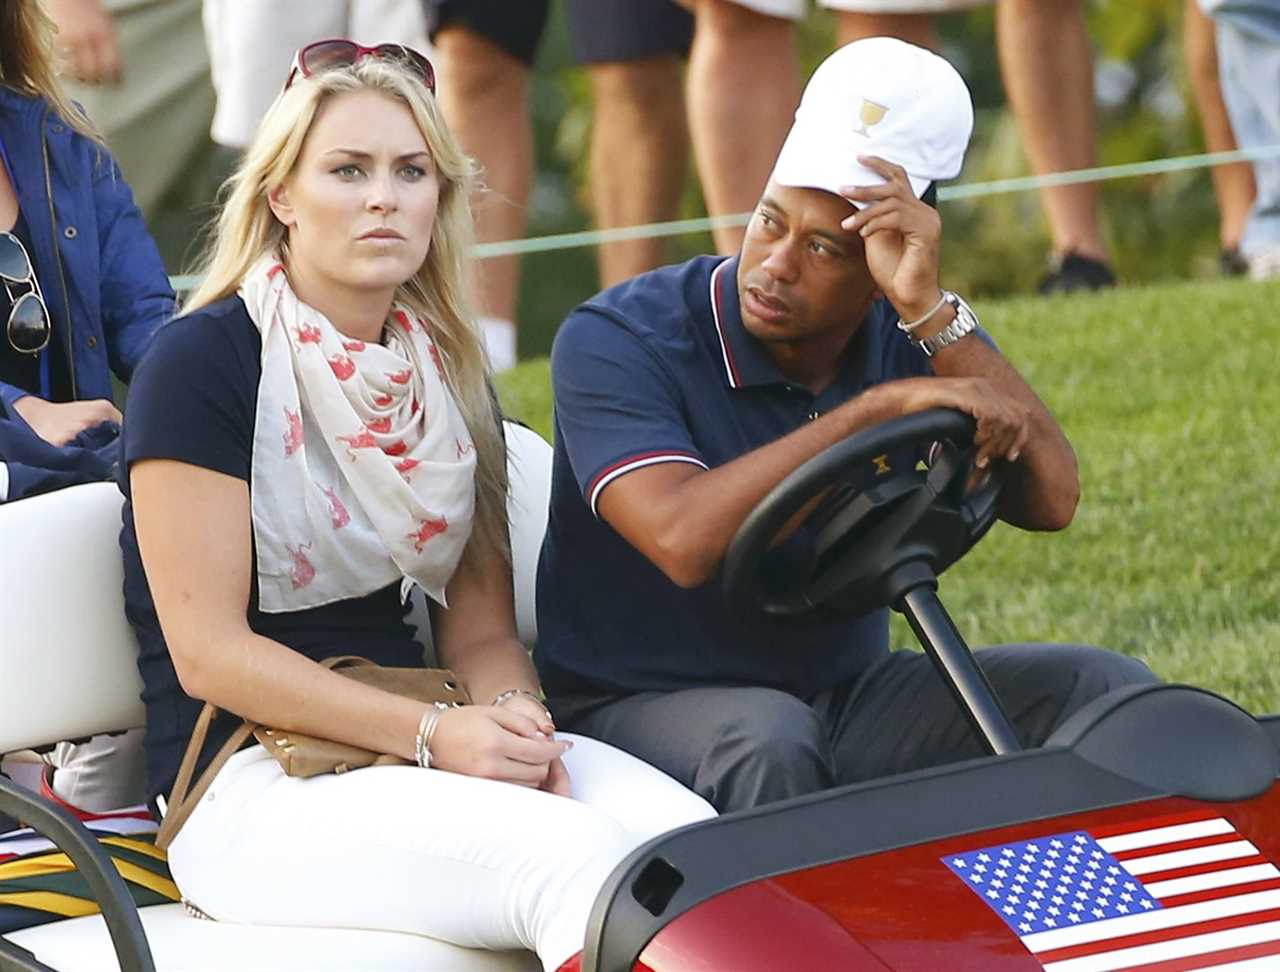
869 113
883 97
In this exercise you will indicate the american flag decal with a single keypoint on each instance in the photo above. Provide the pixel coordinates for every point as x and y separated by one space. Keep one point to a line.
1182 896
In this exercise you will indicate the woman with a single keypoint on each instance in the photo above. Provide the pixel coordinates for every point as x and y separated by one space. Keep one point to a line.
82 292
74 240
317 427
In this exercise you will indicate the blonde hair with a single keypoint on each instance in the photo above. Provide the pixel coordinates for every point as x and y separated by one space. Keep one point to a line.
26 61
246 229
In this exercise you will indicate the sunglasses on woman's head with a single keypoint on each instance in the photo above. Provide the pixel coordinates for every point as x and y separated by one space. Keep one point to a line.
325 55
28 328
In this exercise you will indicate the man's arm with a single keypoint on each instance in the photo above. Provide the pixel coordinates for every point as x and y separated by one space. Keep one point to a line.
1042 486
682 518
902 237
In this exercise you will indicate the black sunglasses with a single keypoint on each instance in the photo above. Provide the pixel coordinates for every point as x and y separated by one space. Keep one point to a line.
29 326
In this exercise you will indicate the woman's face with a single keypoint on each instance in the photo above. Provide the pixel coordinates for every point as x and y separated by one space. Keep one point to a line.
361 200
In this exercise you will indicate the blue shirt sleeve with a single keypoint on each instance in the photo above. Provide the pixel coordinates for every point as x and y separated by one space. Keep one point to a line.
194 396
618 406
136 299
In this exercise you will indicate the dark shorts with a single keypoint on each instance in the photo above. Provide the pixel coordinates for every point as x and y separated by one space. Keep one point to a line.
599 30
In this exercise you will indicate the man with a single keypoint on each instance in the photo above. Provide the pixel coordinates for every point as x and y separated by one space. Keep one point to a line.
684 396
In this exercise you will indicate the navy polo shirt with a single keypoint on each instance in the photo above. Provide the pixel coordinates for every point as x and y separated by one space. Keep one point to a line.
661 369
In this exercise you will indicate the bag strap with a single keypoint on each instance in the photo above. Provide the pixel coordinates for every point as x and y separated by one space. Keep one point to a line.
181 804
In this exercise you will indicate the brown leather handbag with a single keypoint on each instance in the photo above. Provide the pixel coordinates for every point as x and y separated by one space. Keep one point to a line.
299 754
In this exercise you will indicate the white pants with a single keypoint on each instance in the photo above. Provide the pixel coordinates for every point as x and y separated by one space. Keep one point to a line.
469 861
252 43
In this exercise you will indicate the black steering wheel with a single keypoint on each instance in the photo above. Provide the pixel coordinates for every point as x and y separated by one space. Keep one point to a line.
870 546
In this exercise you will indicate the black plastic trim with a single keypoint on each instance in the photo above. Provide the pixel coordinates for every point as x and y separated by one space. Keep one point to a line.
107 887
1272 725
14 958
837 825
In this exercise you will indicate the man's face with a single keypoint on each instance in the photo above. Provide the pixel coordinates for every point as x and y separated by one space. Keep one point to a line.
802 278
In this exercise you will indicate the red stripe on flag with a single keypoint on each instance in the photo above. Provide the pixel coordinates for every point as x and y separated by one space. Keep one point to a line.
1207 868
1158 935
1192 897
1177 845
1153 823
1210 960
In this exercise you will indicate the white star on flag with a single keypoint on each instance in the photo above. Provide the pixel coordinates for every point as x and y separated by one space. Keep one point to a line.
1196 893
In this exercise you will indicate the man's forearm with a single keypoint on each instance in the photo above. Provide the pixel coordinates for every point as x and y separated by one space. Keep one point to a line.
1043 486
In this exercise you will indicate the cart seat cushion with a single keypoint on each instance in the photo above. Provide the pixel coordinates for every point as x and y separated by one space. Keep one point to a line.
180 943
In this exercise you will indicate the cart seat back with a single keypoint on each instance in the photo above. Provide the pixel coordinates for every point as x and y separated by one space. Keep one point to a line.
68 658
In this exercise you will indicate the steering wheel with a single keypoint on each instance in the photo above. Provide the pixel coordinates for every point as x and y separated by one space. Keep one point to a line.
870 546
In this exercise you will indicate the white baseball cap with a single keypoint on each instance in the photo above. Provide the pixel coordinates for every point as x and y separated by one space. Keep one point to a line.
878 96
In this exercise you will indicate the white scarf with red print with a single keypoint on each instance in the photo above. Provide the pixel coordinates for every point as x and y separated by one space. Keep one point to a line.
363 468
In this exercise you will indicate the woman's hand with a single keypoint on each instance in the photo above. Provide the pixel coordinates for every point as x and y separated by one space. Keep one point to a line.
497 743
60 422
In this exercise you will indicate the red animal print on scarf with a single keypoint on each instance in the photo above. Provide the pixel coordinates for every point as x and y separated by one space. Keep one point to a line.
303 573
380 425
293 437
400 377
343 367
414 407
463 447
382 401
354 346
337 509
426 530
435 358
274 269
404 320
396 448
406 466
361 440
308 334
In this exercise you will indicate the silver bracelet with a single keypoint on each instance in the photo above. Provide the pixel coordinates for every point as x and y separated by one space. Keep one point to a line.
904 326
427 729
512 693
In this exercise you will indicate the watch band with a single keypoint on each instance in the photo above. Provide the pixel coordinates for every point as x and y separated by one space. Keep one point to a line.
964 324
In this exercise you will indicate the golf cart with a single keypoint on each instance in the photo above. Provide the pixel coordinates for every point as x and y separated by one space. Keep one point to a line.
1143 835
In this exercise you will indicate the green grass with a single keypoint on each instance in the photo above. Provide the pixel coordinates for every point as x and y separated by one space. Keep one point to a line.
1170 396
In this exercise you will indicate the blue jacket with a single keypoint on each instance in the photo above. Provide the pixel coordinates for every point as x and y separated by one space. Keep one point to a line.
98 267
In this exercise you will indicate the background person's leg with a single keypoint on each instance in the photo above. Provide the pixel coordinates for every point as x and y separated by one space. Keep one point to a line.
735 747
484 66
1249 61
916 29
901 717
1232 184
639 156
743 88
1047 65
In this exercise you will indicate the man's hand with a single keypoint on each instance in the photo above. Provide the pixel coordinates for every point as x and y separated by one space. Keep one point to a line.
1004 423
60 422
87 40
902 237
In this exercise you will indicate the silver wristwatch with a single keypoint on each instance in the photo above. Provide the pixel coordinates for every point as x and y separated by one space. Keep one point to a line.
964 323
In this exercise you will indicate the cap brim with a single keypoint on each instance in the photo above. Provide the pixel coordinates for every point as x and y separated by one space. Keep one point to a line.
813 160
